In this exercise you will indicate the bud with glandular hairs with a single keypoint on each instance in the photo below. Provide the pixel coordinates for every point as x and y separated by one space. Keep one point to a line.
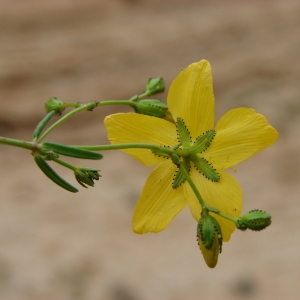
210 238
151 107
254 220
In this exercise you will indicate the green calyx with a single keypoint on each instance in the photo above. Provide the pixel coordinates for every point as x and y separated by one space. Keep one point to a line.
187 151
191 150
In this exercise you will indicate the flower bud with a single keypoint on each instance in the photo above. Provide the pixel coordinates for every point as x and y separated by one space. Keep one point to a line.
254 220
151 107
155 85
54 104
86 176
210 239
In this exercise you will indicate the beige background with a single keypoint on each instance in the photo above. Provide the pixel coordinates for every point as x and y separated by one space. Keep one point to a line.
57 245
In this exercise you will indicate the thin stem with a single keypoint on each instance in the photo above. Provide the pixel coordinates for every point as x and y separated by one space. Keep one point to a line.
234 220
193 186
205 207
18 143
63 163
115 102
82 107
126 146
88 106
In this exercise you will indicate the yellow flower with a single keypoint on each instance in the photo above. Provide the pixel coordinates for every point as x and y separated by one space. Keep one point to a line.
239 134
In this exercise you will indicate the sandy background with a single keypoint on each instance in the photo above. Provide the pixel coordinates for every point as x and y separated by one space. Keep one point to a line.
57 245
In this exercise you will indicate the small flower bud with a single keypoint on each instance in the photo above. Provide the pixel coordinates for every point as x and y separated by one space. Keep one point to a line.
155 85
86 176
151 107
210 239
54 104
254 220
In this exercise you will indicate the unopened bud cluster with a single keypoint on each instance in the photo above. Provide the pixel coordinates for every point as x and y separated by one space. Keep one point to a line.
86 176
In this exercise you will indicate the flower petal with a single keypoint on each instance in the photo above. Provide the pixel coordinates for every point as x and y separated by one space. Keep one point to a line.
159 202
135 128
225 195
191 98
240 134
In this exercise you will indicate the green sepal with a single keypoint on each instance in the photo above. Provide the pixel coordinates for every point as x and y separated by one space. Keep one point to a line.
183 134
254 220
204 167
71 151
202 142
41 125
51 174
179 177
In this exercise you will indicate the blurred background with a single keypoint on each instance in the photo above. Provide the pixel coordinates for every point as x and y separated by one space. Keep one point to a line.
57 245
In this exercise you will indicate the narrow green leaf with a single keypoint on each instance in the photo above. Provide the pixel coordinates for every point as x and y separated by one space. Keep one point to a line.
51 174
71 151
41 125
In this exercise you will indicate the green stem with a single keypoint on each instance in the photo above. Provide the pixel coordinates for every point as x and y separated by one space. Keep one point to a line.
82 107
88 106
193 186
18 143
115 102
63 163
126 146
234 220
204 206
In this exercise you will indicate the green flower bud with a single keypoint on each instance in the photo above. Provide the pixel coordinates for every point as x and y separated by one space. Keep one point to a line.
254 220
151 107
155 85
54 104
86 176
210 239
